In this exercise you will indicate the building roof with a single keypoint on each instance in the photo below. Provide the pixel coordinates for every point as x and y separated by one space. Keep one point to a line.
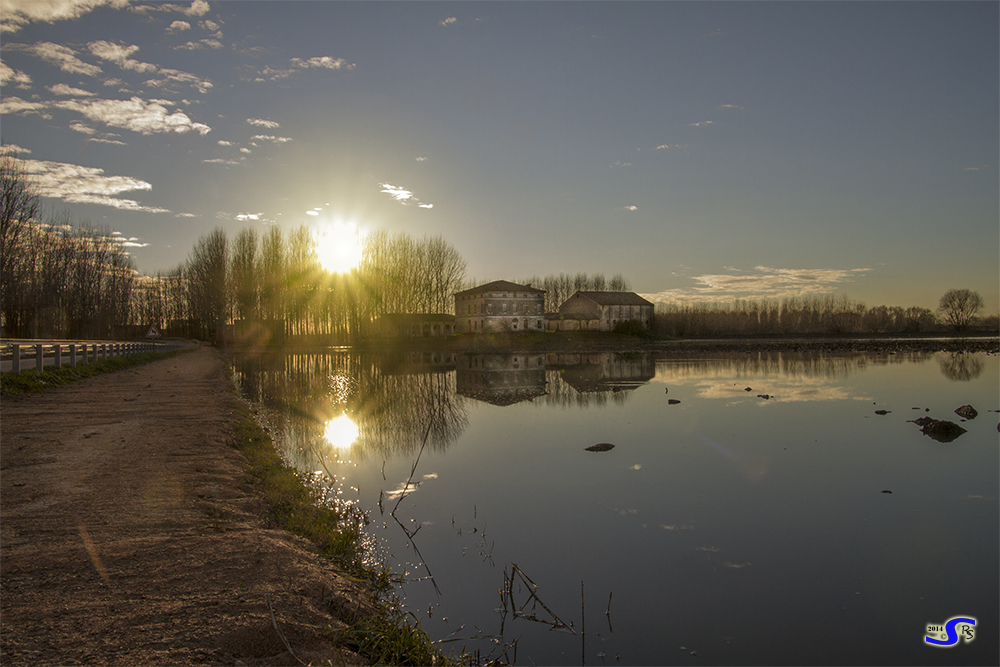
614 298
501 286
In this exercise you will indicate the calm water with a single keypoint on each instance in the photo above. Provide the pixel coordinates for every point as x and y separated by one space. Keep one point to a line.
747 530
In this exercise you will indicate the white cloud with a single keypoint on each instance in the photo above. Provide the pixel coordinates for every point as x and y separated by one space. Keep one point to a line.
631 207
8 74
402 195
173 76
197 8
421 159
18 13
86 185
77 126
219 160
271 138
245 150
321 62
63 89
62 57
119 55
249 216
200 45
766 283
704 123
260 122
14 149
663 147
448 21
324 62
208 25
136 115
729 106
225 143
179 26
17 105
619 163
399 194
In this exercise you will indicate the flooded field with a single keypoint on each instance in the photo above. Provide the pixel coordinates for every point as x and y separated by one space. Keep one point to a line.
775 508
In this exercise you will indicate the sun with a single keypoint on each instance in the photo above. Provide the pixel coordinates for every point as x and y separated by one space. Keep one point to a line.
338 247
341 432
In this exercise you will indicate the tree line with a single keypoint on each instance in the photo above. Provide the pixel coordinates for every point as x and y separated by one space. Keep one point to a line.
63 279
818 315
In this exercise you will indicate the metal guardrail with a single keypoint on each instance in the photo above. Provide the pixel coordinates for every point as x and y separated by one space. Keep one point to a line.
58 354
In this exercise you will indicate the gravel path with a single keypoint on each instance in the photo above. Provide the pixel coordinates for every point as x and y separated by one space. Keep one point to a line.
131 534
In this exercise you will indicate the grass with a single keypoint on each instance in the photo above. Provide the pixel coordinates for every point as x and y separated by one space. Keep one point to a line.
29 381
387 637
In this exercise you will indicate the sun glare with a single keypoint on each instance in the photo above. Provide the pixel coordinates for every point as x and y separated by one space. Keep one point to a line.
341 432
338 247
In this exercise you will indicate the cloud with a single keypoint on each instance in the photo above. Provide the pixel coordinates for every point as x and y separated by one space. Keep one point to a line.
173 76
15 150
325 62
619 163
179 26
18 13
119 55
63 89
421 159
729 106
402 195
766 283
260 122
8 75
631 207
704 123
62 57
200 45
136 115
663 147
197 8
320 62
86 185
220 160
271 138
15 105
77 126
222 142
448 21
982 166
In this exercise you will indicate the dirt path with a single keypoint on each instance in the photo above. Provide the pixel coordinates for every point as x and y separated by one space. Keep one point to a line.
132 536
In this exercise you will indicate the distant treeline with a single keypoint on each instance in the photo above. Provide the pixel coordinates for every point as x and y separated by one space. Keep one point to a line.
560 287
814 315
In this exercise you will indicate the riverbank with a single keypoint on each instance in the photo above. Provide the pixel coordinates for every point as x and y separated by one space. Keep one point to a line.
134 532
588 341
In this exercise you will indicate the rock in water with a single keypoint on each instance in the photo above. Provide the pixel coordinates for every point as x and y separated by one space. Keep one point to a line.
672 401
600 447
967 412
939 429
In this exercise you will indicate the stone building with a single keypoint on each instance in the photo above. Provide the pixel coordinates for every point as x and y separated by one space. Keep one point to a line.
601 311
413 325
500 306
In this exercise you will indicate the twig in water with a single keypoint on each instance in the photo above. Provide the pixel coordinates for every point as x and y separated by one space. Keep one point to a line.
607 612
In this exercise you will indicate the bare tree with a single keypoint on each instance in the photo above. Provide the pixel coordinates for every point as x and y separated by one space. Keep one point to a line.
959 307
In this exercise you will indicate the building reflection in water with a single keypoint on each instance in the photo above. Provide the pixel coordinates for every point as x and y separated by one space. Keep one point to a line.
501 379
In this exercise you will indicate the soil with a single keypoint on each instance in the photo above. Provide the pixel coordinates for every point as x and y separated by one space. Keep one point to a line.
131 534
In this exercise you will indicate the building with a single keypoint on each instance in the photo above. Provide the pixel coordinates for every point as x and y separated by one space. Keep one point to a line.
413 325
500 306
601 311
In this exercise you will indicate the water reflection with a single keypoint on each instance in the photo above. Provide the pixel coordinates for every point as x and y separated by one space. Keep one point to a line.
501 379
960 367
341 432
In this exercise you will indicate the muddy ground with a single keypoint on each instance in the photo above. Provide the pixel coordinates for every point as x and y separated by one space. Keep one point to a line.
130 533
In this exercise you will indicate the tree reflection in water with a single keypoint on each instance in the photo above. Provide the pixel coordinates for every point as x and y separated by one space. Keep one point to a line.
960 367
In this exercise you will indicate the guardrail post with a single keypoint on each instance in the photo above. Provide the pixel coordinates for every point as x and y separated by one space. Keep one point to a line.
39 357
72 355
85 361
58 350
104 352
15 360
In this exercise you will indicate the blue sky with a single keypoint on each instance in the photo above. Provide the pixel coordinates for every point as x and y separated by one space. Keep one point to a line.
706 150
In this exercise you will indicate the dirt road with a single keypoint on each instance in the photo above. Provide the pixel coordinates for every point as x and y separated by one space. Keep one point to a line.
131 534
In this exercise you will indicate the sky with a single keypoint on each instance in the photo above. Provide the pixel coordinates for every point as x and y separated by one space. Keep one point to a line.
707 151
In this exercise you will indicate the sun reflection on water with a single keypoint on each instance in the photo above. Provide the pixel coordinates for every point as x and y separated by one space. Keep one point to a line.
341 432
